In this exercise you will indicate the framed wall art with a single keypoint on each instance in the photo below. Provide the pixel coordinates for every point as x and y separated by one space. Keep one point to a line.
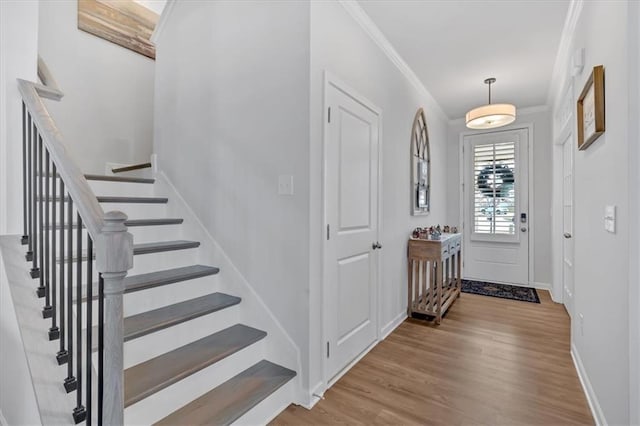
591 109
420 166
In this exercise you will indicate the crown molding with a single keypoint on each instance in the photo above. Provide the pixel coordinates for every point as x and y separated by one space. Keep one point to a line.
519 112
361 17
162 22
559 74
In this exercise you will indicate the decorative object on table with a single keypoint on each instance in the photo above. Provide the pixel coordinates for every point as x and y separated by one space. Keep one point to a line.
454 229
446 229
491 116
420 166
435 234
503 291
591 109
124 22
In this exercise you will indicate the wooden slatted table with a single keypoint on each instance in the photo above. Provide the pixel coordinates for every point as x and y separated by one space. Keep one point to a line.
435 270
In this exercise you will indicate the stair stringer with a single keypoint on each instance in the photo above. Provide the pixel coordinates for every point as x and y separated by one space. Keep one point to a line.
279 346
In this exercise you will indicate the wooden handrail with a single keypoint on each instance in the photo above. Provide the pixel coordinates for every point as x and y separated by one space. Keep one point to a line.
45 76
131 168
113 244
77 186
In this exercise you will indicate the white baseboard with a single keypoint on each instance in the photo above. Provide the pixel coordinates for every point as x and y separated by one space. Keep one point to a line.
315 395
592 399
541 286
392 325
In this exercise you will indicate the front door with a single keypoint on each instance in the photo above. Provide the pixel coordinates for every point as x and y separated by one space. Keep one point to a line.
567 223
496 203
351 212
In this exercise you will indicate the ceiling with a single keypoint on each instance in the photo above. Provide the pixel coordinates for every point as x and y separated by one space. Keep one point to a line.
452 46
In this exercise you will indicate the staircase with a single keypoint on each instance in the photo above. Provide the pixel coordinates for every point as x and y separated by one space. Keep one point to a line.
172 358
188 350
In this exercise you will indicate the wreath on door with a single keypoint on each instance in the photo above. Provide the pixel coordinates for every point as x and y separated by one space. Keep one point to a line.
499 178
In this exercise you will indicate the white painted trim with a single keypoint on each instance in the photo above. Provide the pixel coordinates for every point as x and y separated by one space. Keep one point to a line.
332 80
392 325
4 137
520 111
3 421
360 16
592 399
315 395
531 207
162 22
562 57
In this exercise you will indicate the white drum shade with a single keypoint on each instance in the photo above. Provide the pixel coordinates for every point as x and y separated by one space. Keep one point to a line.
491 116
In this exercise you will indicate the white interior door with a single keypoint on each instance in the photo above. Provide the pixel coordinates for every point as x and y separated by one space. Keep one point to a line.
496 206
351 211
567 223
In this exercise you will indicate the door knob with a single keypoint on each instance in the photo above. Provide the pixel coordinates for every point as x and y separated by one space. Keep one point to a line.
376 245
567 235
523 229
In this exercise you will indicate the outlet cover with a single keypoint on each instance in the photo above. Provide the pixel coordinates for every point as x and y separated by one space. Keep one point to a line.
285 185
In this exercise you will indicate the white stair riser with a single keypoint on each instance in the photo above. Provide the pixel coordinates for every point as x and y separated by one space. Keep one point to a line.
163 403
159 342
127 189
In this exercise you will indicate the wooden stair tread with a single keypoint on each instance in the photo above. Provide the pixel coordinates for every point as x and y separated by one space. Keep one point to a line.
229 401
114 199
140 200
148 322
127 179
151 376
167 276
160 246
145 248
131 223
133 283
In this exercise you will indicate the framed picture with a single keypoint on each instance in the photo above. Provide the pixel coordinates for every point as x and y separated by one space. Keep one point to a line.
591 109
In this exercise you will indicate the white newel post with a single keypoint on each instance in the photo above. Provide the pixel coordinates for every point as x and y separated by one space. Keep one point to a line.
114 257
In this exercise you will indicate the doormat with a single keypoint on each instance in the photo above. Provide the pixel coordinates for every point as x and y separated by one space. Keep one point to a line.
503 291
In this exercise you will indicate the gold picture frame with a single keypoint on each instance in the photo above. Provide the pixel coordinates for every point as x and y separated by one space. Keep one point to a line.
590 105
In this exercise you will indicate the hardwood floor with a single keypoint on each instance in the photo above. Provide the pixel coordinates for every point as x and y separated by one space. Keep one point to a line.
491 361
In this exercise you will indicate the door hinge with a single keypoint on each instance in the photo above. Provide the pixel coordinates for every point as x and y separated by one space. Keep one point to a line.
328 231
327 349
329 115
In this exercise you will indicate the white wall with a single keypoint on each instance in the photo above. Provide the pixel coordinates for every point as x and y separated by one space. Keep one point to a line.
602 174
107 112
540 175
18 59
340 46
228 124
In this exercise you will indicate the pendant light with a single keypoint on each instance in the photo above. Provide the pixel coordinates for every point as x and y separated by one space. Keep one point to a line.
491 115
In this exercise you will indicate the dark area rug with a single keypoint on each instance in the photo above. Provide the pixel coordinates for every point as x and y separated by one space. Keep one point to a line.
504 291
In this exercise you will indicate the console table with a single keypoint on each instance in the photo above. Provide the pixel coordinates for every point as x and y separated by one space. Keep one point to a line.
435 269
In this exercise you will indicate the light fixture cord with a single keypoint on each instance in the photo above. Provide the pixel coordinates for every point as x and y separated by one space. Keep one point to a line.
489 92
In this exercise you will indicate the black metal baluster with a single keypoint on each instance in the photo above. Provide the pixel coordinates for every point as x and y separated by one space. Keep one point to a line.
62 355
29 255
88 349
70 383
54 331
35 271
79 413
25 238
41 203
47 311
100 346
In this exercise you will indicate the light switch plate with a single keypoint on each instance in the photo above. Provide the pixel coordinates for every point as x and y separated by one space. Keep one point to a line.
610 219
285 185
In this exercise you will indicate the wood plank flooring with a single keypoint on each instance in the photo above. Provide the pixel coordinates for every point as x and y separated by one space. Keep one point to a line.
491 361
